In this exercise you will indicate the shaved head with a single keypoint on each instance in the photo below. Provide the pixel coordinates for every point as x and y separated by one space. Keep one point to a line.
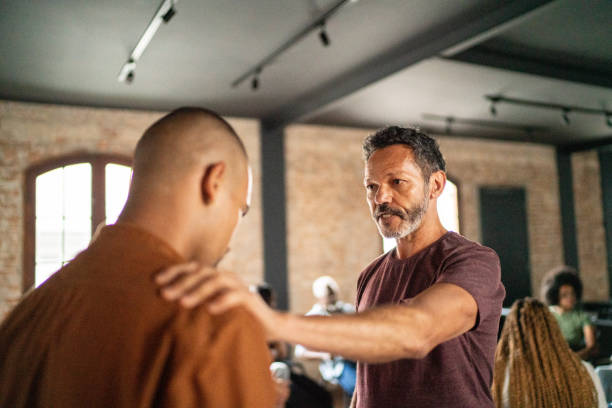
182 139
191 183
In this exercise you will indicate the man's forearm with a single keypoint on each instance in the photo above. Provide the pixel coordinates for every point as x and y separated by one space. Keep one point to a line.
378 335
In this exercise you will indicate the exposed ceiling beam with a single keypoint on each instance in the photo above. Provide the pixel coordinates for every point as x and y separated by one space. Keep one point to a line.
486 57
450 35
600 143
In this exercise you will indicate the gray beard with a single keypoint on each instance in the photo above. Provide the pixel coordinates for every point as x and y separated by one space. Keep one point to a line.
411 221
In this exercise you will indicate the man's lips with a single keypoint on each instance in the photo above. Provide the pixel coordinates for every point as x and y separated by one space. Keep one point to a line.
388 215
385 211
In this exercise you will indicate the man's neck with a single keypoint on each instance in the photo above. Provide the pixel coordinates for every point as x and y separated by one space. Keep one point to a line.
418 240
167 229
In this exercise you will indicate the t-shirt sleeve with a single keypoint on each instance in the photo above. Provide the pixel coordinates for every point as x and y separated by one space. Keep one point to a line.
223 362
585 319
477 270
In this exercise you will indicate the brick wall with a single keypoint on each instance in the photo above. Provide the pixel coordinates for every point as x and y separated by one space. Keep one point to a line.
328 222
476 163
590 232
30 133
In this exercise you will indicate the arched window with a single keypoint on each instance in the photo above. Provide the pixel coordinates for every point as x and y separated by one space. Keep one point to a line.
448 210
65 200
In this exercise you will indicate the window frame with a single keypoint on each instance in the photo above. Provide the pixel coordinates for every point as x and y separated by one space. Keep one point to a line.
98 163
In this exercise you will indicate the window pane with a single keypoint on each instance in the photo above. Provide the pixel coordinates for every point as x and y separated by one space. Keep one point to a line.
117 187
49 240
43 271
448 207
77 190
77 234
63 217
388 244
49 187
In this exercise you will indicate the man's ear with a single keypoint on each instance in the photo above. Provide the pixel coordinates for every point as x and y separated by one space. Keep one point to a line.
211 181
437 181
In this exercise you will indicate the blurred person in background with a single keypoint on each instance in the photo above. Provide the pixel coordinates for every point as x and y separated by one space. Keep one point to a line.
333 369
562 291
293 388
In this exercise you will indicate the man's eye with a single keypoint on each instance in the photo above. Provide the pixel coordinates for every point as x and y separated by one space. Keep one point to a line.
397 181
370 187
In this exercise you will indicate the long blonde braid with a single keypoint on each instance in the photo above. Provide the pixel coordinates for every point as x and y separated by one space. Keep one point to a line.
544 372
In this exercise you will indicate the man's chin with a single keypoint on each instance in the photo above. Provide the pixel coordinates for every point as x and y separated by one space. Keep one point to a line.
389 234
396 233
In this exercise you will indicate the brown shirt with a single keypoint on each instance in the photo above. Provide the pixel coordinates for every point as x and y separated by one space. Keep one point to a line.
97 334
456 373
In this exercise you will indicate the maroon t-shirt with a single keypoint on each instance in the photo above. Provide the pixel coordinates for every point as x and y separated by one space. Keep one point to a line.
457 373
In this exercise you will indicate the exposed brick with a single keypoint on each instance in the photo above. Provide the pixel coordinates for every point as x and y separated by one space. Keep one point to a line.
591 235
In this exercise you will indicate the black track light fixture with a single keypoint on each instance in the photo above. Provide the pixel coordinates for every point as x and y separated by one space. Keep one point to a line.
493 107
609 119
449 124
565 116
255 80
323 35
169 14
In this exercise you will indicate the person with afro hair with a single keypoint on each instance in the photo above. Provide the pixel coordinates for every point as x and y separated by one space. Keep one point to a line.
562 291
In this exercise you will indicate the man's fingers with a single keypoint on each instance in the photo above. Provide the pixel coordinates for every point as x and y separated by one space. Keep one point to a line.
169 274
186 282
226 301
207 289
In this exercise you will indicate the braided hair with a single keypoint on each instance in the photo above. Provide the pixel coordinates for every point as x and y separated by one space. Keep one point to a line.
544 372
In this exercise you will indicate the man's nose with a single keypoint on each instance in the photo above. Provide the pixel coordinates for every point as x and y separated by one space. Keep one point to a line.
383 195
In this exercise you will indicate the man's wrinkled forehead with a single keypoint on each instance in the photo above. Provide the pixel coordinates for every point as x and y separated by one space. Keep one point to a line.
392 158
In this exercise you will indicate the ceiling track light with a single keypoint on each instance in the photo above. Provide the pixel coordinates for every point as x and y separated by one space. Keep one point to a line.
316 24
493 107
255 80
565 109
565 116
164 13
323 35
449 123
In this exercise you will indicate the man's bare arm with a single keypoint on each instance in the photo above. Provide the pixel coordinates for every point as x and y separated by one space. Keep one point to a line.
386 333
389 332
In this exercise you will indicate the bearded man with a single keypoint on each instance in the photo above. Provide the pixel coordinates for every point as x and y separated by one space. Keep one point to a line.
428 311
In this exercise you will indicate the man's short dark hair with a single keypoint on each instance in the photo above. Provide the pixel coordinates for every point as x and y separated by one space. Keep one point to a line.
564 275
426 150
